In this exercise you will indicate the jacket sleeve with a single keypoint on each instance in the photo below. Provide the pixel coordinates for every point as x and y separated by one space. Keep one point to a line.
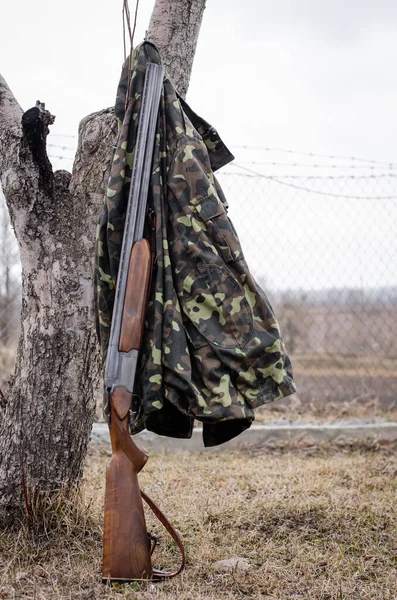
190 176
200 197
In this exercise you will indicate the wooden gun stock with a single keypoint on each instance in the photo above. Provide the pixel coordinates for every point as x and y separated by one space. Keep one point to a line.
126 548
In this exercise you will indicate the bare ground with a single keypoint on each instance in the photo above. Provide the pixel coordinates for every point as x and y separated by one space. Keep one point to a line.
314 521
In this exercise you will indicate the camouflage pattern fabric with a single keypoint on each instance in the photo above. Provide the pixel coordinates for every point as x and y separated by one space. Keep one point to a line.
212 348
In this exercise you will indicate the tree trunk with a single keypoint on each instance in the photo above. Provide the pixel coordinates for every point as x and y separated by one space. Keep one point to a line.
174 28
47 418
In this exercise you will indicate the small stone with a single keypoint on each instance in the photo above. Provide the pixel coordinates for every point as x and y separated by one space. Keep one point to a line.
235 563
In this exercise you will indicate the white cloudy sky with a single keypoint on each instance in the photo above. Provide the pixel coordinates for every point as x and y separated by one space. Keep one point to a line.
311 75
316 75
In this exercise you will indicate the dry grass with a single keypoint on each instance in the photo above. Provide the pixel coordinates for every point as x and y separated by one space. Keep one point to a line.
315 522
335 387
299 409
346 365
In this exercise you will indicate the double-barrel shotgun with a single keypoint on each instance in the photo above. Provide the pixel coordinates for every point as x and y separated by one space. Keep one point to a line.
127 546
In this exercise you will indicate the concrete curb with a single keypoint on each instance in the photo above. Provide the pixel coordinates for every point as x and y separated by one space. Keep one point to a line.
261 434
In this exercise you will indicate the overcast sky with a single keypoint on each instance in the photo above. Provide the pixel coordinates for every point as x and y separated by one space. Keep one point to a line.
311 75
317 75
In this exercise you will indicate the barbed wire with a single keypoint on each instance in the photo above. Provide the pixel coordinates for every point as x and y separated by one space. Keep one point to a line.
315 154
317 165
305 176
321 193
72 148
281 178
352 158
277 179
274 164
60 157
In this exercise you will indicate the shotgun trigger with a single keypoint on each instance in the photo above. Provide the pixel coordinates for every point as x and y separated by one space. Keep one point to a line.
152 219
135 411
106 408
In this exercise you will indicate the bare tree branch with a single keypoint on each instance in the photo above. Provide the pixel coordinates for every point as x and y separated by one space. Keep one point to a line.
90 175
10 128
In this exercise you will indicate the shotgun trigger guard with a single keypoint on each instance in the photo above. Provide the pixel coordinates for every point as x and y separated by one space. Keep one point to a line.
135 412
152 219
106 408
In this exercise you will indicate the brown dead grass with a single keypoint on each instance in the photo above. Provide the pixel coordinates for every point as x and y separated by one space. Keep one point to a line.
335 387
346 365
320 412
315 522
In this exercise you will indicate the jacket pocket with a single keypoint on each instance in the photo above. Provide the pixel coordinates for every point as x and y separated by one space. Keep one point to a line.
214 302
219 227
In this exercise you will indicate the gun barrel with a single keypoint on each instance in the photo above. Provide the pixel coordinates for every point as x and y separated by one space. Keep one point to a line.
126 546
135 219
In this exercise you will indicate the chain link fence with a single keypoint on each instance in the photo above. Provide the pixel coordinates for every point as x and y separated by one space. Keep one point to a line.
324 248
320 236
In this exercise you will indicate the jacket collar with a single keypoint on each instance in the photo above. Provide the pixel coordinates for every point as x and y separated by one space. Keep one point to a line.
218 153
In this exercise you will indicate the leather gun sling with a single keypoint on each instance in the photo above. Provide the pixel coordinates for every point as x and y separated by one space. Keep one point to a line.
167 525
127 446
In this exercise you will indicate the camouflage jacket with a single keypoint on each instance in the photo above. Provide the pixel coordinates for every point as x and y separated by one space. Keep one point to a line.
212 348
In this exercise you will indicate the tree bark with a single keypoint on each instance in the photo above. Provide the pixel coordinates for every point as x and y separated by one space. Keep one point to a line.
46 418
174 28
